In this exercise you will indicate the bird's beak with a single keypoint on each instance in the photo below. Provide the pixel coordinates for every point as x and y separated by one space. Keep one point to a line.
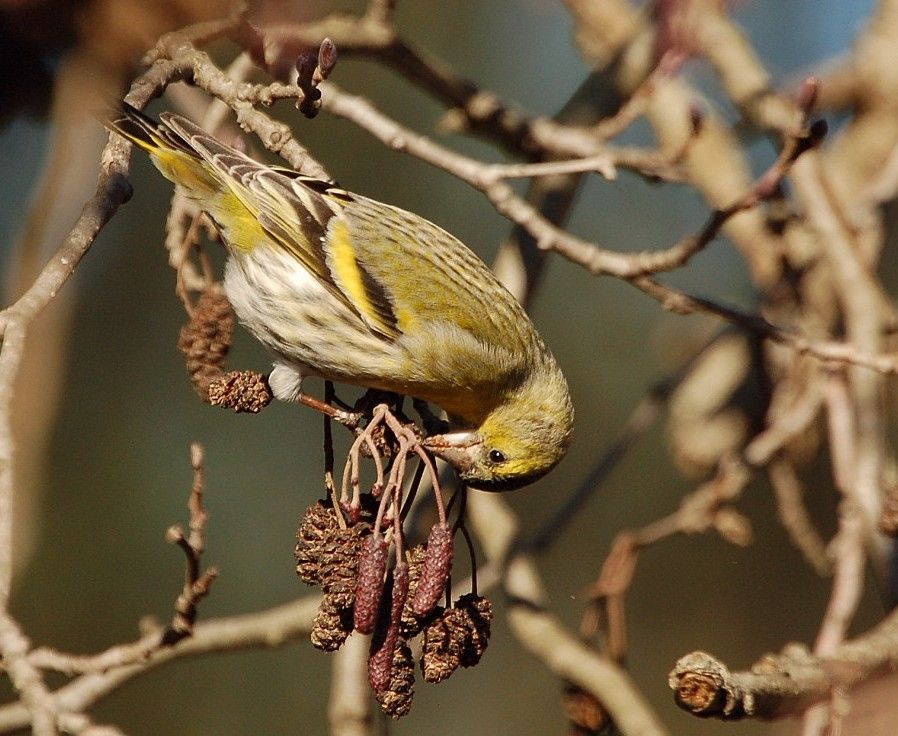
454 448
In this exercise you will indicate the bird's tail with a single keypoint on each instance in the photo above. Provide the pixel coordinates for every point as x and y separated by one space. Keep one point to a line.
171 154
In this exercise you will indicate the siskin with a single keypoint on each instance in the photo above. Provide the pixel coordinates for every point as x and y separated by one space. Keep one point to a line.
340 286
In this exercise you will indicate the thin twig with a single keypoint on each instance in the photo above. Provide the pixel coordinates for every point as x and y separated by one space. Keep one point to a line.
196 581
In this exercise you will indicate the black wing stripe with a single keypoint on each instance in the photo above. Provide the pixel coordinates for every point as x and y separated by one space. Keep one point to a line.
380 302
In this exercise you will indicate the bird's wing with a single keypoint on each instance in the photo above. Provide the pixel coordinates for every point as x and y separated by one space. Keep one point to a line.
395 270
298 213
434 277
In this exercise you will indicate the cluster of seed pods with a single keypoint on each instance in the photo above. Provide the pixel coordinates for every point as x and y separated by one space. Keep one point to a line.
349 558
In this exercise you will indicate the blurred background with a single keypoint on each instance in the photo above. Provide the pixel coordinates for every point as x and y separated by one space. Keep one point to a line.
114 468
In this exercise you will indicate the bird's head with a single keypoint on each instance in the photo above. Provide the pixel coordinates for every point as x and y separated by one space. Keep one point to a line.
521 439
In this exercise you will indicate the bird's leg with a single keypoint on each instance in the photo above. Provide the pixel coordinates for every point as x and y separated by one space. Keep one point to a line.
348 419
335 400
285 381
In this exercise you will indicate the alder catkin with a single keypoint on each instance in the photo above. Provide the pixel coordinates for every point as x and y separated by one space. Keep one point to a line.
435 570
383 645
370 586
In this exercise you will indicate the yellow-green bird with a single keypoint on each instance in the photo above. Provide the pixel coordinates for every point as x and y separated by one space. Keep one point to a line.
352 290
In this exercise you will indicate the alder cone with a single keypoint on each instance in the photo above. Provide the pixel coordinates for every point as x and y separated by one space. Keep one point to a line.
327 555
477 618
396 699
317 529
245 392
441 654
206 339
410 625
332 625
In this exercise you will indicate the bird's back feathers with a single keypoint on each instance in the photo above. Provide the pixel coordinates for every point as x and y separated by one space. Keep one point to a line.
409 282
346 241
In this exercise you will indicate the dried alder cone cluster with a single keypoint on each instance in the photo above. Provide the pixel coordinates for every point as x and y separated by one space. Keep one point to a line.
349 561
205 341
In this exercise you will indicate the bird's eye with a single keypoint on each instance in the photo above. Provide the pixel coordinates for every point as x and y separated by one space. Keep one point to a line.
497 456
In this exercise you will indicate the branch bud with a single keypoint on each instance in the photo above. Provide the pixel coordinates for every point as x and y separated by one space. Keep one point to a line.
807 94
327 59
305 68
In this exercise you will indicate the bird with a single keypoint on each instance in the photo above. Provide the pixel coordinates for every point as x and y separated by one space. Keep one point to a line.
342 287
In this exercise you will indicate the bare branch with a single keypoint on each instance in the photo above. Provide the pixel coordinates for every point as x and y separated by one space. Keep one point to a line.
781 685
107 671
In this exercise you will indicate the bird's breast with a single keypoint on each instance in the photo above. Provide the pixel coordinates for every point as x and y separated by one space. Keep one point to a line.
293 315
